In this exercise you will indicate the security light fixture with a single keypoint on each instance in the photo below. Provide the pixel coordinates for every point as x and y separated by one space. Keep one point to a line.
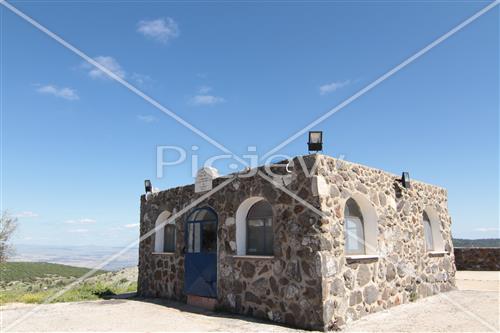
315 141
147 186
405 180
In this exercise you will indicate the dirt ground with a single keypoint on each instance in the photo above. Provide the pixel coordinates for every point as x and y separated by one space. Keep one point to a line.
474 308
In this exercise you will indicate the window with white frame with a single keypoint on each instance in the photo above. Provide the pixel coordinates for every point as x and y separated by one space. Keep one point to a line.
354 228
434 241
165 234
259 225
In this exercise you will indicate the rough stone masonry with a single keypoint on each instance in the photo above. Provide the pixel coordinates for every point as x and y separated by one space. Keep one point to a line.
309 281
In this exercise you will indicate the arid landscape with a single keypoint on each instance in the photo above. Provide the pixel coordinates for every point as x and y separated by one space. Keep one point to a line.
80 256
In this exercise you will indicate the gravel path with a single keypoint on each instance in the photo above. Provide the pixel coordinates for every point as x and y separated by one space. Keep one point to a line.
475 308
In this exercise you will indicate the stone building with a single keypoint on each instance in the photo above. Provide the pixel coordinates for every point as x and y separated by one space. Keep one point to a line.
327 243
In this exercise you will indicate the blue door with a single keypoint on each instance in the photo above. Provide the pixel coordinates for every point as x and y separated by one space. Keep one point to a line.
200 262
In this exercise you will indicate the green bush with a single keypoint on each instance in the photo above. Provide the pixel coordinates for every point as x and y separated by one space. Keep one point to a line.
33 297
101 290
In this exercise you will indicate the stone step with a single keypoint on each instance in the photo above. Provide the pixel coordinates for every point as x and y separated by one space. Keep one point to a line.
202 302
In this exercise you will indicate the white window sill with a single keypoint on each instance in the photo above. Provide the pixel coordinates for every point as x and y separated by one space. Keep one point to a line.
437 252
362 256
164 253
252 257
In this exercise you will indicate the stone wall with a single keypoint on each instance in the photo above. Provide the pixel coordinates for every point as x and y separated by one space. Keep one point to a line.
402 270
309 282
477 258
162 274
285 288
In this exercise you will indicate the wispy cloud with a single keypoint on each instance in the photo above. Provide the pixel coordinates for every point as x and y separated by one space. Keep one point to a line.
78 231
161 30
64 92
81 221
204 90
203 98
146 118
486 229
113 66
333 86
106 61
26 214
131 225
199 100
141 79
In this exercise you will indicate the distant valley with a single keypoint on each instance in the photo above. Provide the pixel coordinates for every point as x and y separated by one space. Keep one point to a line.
90 256
80 256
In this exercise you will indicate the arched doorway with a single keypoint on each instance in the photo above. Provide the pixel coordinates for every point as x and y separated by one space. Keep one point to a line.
200 264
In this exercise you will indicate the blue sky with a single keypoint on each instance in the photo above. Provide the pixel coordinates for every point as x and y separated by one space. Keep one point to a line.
77 146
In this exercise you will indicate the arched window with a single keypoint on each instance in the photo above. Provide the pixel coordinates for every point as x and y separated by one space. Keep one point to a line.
434 241
259 224
165 233
354 228
429 241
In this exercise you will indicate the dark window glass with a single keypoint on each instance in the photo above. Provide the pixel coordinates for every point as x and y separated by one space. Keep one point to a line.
202 235
169 238
260 235
209 237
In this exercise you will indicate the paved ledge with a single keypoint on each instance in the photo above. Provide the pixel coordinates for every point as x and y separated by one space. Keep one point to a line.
471 309
454 311
478 280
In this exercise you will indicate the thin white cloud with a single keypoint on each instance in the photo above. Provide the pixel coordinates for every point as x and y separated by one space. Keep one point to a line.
131 225
78 231
334 86
200 100
161 30
486 229
146 118
65 92
106 61
204 90
26 214
203 98
81 221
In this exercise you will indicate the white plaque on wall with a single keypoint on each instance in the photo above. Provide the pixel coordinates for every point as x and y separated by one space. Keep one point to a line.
204 179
